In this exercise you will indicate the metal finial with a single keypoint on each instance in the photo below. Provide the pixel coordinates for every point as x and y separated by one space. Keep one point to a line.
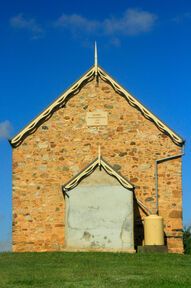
95 59
99 156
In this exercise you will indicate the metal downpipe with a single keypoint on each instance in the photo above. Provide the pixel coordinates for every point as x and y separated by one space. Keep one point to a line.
156 173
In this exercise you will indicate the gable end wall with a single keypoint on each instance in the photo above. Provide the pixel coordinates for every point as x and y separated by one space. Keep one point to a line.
64 145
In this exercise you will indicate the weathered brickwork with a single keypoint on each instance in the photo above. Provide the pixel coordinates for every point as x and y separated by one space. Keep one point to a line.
64 145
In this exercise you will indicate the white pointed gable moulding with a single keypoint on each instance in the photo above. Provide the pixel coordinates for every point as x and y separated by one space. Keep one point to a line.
101 163
95 72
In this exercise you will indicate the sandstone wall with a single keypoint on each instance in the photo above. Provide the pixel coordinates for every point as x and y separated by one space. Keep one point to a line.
64 145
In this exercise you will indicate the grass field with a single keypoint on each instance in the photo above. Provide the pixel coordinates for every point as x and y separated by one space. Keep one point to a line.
94 270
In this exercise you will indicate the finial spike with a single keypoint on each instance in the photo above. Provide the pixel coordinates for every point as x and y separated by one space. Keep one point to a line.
95 58
99 156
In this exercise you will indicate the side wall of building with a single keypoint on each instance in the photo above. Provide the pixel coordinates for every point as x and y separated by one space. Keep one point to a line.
64 145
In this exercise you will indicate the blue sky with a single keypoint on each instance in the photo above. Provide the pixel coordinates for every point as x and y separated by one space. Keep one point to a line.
46 45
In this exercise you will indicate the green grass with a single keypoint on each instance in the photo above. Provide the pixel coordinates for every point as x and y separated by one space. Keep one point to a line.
94 270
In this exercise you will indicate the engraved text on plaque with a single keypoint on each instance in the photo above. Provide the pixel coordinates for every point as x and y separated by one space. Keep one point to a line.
97 118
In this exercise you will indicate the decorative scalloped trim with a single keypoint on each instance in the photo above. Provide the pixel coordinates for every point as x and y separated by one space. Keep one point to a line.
57 104
99 161
90 169
75 89
136 104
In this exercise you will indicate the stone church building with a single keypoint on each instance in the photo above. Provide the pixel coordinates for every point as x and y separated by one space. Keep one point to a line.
90 167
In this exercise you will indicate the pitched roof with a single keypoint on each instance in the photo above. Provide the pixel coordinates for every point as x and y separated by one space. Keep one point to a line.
90 75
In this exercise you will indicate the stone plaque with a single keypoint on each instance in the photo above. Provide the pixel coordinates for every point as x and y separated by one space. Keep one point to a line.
97 118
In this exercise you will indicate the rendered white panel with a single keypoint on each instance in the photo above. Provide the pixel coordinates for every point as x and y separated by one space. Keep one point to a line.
100 214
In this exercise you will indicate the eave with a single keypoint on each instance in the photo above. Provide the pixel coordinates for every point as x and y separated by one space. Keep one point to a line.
90 75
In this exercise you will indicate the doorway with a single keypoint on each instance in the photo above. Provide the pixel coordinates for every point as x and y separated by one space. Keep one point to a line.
99 214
